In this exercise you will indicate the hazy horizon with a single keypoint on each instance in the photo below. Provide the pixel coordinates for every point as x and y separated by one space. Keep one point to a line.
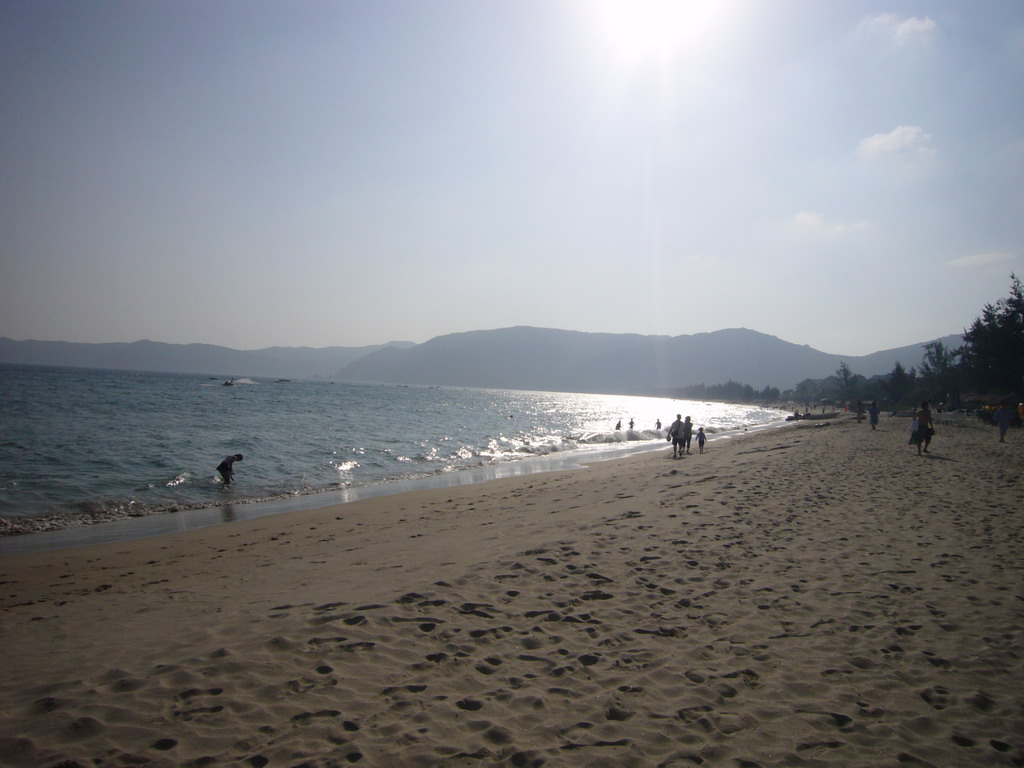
316 174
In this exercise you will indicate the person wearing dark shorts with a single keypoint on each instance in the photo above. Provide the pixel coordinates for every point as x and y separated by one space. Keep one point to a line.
226 468
922 436
675 433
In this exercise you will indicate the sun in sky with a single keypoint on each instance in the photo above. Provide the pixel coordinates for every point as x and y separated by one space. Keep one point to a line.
657 30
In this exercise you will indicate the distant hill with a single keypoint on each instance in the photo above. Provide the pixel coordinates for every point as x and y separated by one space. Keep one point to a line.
273 362
508 358
571 361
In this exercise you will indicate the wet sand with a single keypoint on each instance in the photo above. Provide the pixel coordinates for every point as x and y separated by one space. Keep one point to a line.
817 595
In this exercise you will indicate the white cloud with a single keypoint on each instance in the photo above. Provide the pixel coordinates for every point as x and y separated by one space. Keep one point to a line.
903 33
981 260
811 223
904 140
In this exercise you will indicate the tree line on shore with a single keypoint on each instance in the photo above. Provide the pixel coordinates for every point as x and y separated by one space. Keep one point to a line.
987 368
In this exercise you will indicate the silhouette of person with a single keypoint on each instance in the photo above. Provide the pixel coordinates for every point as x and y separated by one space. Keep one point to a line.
922 436
226 468
687 433
676 433
1002 419
873 412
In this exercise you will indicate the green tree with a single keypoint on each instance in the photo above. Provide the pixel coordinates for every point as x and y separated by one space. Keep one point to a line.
993 350
845 377
807 391
940 374
899 383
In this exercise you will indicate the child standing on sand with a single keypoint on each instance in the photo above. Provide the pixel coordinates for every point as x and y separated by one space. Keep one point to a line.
701 439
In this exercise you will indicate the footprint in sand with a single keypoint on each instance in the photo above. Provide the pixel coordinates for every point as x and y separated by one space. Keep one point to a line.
938 696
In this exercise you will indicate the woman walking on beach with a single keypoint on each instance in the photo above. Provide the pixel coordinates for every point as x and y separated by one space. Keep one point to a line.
687 434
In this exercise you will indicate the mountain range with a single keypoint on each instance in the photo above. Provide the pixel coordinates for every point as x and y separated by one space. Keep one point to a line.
272 362
509 358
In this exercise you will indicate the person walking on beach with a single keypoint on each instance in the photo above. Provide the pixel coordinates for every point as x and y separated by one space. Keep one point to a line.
921 436
227 469
676 433
701 439
873 412
1002 419
687 433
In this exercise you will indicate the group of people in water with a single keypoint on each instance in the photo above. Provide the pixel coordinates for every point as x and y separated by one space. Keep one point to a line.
681 434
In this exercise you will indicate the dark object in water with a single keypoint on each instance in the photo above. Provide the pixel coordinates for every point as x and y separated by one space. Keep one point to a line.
811 416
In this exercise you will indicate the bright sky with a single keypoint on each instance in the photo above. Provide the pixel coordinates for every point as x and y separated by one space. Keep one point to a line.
848 175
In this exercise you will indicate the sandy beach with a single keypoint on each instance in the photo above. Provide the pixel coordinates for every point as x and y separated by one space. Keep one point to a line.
816 595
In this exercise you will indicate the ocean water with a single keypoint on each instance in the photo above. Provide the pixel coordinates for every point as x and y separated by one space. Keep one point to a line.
82 446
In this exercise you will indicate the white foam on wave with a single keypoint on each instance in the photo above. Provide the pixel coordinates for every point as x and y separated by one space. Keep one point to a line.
103 453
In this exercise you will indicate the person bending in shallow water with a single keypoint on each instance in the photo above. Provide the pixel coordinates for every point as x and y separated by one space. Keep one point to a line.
227 469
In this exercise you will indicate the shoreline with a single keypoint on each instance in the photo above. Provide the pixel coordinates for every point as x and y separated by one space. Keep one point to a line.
807 596
100 458
132 527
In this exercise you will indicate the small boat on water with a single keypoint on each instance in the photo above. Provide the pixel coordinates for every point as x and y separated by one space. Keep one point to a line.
811 416
229 383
